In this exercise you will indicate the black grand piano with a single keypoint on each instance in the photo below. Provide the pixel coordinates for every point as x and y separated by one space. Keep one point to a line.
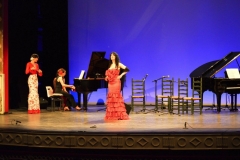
94 79
218 86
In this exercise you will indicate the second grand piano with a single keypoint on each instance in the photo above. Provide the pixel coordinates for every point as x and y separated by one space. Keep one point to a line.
94 79
218 85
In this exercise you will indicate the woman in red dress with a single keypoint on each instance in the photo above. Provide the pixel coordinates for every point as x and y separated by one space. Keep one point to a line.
33 70
115 104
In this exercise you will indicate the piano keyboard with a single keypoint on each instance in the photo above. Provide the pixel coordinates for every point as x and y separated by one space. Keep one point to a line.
233 88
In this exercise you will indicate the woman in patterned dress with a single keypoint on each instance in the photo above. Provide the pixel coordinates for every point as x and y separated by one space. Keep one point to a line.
32 69
115 104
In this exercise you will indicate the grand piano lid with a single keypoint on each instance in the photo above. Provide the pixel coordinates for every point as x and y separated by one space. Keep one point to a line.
211 68
97 65
198 72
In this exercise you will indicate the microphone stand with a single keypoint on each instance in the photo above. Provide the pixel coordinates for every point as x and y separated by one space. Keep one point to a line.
171 101
156 105
156 109
170 111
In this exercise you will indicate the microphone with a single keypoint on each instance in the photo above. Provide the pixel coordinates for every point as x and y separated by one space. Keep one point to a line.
185 125
145 77
18 121
15 121
161 78
166 76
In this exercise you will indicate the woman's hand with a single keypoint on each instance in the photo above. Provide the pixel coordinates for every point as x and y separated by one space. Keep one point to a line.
39 71
73 87
32 68
106 78
119 77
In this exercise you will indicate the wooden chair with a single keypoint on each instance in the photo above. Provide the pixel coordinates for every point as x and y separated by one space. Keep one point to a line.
63 98
196 99
138 94
176 101
167 90
55 97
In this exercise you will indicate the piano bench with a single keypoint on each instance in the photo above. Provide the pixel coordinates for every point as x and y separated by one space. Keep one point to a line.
54 99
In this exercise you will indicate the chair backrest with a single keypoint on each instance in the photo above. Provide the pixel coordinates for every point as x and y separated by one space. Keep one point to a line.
167 86
197 87
182 88
49 91
138 87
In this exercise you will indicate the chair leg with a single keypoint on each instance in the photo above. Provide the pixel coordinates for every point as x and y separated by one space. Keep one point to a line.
60 104
156 104
52 101
132 104
144 107
162 105
169 105
183 106
54 104
178 106
200 105
192 106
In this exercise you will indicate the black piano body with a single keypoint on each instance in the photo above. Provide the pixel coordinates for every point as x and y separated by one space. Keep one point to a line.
218 86
94 79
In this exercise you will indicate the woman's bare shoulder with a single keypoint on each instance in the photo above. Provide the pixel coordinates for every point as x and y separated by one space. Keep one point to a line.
59 78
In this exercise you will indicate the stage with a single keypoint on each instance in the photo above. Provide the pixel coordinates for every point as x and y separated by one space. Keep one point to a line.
151 131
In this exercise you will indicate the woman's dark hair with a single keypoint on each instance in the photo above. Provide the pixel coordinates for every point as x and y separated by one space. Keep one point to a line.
34 55
117 59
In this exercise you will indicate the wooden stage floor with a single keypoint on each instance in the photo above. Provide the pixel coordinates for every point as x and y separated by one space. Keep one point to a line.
93 121
151 131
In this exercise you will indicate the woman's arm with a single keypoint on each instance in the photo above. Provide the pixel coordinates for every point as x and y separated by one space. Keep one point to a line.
125 70
64 88
27 70
60 79
39 71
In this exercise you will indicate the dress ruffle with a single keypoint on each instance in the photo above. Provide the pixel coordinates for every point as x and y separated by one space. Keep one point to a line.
115 107
34 111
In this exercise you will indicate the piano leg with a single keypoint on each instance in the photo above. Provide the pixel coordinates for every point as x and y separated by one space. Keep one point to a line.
218 101
235 107
85 101
79 99
233 102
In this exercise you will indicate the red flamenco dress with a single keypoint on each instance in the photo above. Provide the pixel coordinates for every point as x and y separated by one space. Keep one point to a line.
115 105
